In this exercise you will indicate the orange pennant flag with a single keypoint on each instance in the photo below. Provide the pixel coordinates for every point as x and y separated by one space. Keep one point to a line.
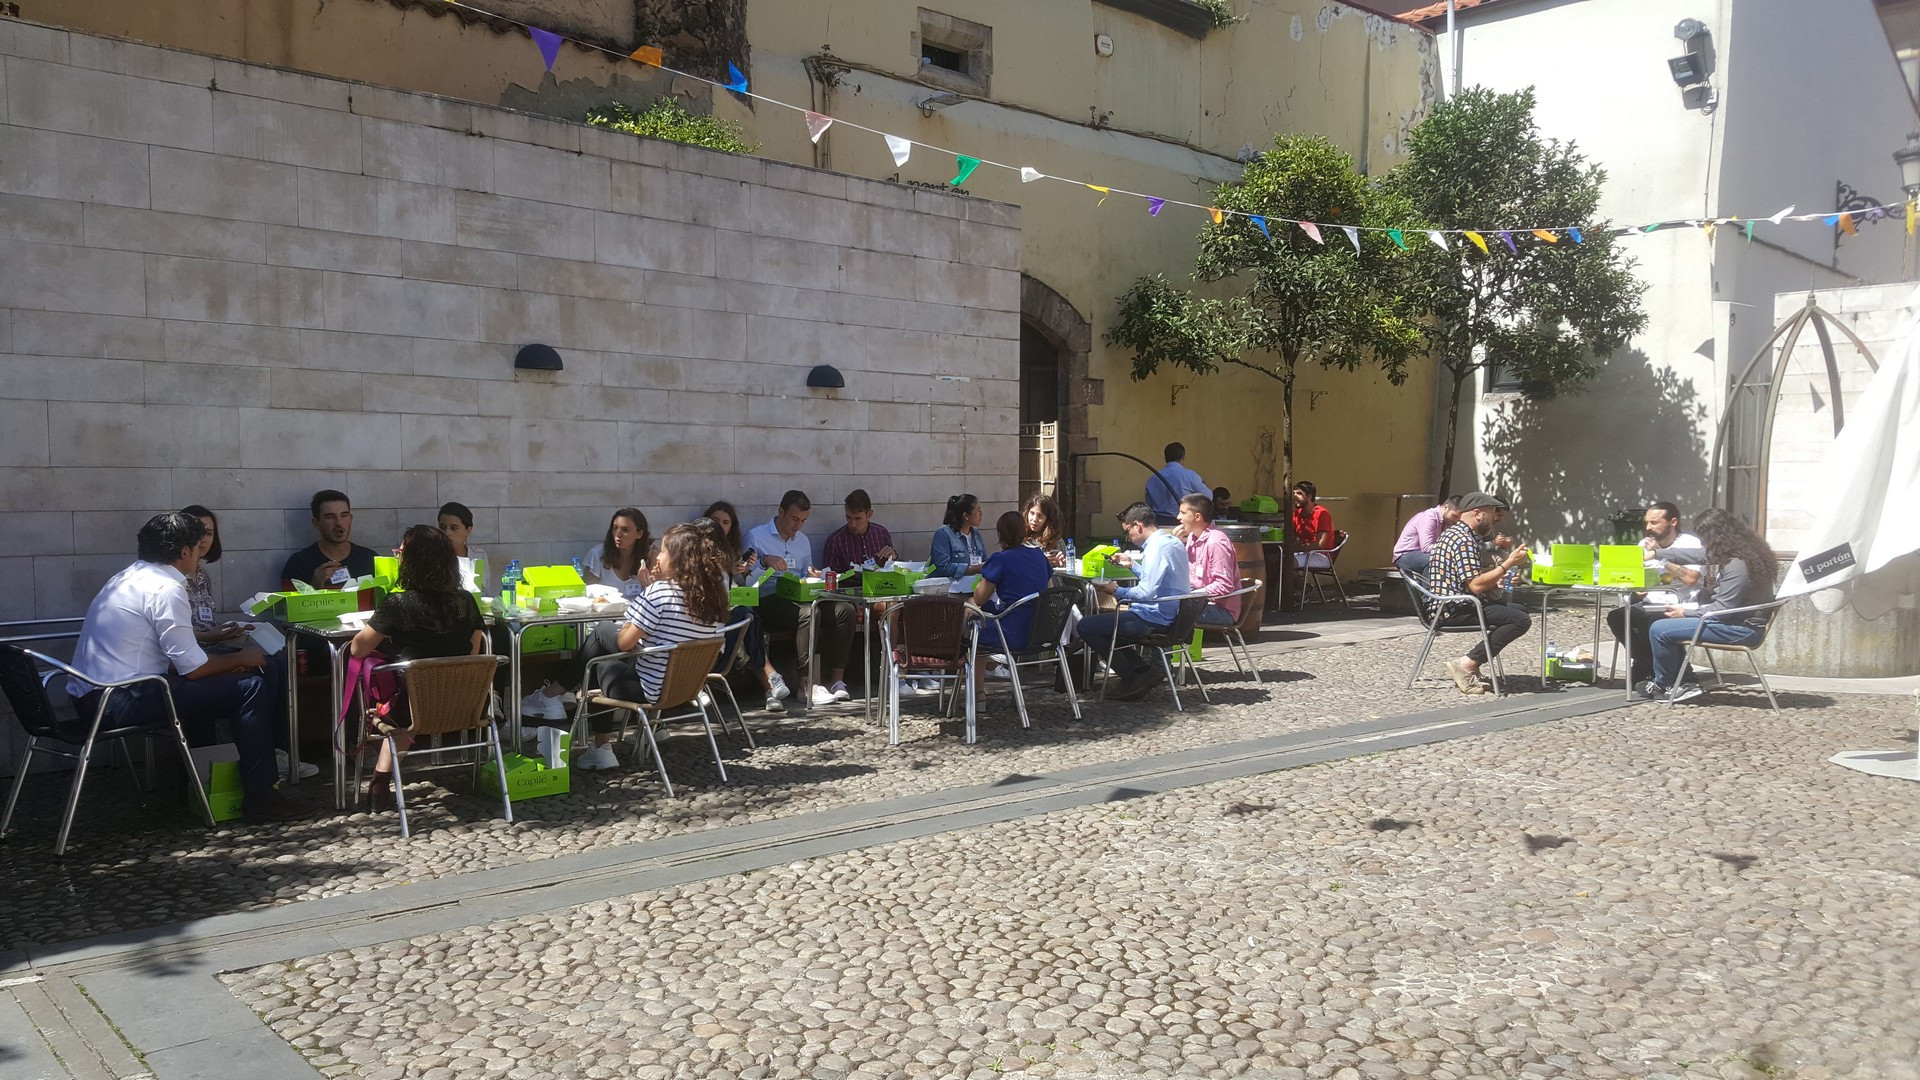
1104 192
1478 240
649 55
1846 224
1546 235
1218 217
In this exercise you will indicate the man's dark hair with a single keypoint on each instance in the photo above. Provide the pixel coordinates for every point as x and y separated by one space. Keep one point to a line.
1176 452
165 536
1668 509
457 511
859 502
1451 502
1200 504
796 499
198 511
322 498
1138 514
1222 493
1307 486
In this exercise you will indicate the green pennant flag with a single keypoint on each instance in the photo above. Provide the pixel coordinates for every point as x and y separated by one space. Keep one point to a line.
1398 240
967 165
1749 230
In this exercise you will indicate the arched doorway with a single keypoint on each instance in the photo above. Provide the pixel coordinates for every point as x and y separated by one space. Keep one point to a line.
1055 393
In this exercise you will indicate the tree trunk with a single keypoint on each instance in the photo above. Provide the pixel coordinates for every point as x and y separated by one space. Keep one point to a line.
1286 583
1453 432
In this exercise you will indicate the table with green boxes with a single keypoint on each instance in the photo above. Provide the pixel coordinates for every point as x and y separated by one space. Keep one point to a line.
1605 572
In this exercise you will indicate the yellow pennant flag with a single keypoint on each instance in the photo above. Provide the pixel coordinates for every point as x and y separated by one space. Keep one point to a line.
1546 235
1104 192
1910 216
1478 240
1846 224
1708 227
649 55
1218 217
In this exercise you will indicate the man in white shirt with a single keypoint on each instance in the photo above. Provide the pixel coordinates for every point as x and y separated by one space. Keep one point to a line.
1663 532
141 624
782 546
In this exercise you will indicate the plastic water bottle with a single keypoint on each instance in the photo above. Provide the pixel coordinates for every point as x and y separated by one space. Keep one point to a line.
579 568
1553 651
505 606
1073 558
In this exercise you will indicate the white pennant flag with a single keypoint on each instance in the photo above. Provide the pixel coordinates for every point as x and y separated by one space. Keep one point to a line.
1439 241
817 125
1776 219
902 149
1353 235
1028 174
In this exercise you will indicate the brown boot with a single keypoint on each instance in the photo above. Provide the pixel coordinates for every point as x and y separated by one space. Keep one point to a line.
380 791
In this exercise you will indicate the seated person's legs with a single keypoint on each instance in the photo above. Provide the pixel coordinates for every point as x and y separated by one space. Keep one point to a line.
1668 645
1098 632
244 700
1215 615
836 633
1415 561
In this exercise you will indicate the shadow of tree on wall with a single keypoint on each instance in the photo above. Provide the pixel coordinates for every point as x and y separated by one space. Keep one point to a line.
1569 480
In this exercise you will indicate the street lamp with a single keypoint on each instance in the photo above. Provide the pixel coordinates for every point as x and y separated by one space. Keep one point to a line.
1908 158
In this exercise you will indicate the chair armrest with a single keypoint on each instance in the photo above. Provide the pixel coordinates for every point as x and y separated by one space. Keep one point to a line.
1749 608
401 667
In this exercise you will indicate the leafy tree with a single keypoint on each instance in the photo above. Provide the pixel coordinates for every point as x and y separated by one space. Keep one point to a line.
1298 301
1544 312
668 119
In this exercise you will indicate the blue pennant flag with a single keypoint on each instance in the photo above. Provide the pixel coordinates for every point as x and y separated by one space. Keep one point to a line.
736 82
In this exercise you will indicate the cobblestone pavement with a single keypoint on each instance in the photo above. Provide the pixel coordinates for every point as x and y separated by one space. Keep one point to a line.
139 861
1650 892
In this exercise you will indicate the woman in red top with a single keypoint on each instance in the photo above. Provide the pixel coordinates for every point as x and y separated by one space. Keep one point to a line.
1312 524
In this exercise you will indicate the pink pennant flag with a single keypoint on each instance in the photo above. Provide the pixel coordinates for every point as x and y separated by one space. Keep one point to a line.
549 44
817 125
902 149
1312 231
1353 237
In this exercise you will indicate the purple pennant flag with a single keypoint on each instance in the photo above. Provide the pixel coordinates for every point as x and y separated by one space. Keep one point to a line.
1154 206
549 44
1508 237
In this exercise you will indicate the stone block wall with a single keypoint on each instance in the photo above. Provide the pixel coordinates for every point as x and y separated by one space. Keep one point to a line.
233 285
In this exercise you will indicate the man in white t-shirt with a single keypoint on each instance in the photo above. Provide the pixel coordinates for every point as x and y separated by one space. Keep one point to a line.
1663 535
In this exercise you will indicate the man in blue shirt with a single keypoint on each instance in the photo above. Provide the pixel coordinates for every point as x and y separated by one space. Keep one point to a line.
782 546
1162 569
1172 483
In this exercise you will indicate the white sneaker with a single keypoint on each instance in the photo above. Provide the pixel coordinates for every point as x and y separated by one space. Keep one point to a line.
840 692
822 696
777 687
705 701
540 705
774 705
923 687
307 768
999 671
599 757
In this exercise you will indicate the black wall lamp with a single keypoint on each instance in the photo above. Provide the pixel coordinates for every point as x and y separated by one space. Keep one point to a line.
826 377
537 358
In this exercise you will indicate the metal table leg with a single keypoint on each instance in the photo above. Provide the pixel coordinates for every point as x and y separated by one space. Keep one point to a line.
513 684
337 662
289 653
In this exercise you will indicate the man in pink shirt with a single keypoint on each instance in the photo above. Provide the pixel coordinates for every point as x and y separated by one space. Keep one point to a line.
1212 565
1410 552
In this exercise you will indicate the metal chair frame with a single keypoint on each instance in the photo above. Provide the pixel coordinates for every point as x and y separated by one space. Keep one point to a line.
1428 605
49 731
1236 640
702 651
1772 608
719 678
956 674
1176 638
1049 624
484 717
1314 571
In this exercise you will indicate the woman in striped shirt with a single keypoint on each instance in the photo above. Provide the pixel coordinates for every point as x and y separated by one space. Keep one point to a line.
687 599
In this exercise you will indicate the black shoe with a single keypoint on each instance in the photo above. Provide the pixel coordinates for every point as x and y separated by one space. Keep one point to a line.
1651 690
1135 687
1686 691
275 807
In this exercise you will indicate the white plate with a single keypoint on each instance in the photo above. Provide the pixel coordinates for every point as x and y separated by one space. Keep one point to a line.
355 618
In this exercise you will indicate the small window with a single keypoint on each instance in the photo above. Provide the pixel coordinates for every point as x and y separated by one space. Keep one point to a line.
954 54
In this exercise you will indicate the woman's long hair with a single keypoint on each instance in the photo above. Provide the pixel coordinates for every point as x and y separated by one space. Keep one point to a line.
732 539
701 567
959 509
213 553
427 561
1051 536
642 544
1726 538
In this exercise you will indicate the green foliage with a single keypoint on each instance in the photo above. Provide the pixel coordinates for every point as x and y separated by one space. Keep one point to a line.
1544 314
1221 10
668 119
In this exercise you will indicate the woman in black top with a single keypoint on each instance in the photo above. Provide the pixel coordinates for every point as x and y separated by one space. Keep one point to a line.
1740 572
431 615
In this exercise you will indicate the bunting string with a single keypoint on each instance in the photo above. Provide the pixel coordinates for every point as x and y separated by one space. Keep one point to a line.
901 150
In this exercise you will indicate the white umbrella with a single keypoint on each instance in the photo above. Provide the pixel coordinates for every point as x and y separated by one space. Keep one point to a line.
1864 549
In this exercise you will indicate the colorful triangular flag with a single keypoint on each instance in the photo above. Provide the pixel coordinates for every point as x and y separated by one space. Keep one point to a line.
1439 240
967 165
1507 238
1399 241
1312 231
1577 238
1261 224
1028 174
817 125
649 55
1353 237
1154 206
736 82
549 43
901 149
1846 224
1104 192
1708 228
1781 216
1478 240
1547 235
1749 230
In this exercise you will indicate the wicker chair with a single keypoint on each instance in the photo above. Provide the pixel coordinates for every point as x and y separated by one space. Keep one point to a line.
1427 605
930 640
445 695
1236 641
688 665
719 678
26 690
1051 609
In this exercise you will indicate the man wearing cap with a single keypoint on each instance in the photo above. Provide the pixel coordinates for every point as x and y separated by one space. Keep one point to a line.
1459 566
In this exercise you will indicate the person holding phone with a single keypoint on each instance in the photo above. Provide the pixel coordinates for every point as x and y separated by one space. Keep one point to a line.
743 562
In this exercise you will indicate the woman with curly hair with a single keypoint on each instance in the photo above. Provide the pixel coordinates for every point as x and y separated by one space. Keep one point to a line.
1739 571
1044 529
432 615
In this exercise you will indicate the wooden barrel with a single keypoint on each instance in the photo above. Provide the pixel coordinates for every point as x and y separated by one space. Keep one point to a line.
1252 557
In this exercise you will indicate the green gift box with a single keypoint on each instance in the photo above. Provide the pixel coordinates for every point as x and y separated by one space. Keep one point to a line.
1277 536
743 596
540 586
1570 671
321 605
898 582
527 778
386 567
1565 564
218 768
797 589
1624 564
1260 504
556 637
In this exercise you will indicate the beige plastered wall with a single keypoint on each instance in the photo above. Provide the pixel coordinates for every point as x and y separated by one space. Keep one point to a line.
1165 114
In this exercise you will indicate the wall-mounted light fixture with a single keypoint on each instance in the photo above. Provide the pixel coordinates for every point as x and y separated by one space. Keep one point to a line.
537 357
1692 70
826 377
933 103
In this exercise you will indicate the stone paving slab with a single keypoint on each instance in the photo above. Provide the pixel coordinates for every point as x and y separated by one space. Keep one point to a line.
1661 892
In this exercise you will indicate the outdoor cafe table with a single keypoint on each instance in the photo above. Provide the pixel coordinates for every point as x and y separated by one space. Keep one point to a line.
517 622
334 637
873 606
1600 594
